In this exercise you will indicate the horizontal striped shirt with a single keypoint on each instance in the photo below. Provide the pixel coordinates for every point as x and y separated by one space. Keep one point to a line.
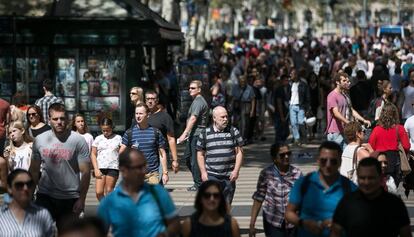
37 222
144 140
219 147
273 191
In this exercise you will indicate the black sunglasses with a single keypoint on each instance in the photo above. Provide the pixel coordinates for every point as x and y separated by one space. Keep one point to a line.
32 114
324 161
208 195
20 185
284 154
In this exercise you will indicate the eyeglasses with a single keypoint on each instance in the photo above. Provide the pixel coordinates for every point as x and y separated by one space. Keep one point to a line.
32 114
150 98
192 88
284 154
324 161
208 195
20 185
133 93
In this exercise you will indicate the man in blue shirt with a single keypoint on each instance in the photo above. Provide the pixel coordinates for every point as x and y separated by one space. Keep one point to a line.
136 208
316 195
150 141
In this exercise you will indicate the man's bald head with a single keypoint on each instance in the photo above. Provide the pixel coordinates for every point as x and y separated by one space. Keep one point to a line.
220 117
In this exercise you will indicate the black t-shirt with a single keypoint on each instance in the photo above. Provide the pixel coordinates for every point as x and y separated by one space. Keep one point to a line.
382 216
280 93
163 121
35 132
361 94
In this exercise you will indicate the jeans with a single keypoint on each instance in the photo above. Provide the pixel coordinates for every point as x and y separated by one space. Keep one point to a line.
271 231
228 187
338 138
190 156
297 117
281 130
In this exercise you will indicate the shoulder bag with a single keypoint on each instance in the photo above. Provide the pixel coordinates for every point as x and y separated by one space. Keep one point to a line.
405 165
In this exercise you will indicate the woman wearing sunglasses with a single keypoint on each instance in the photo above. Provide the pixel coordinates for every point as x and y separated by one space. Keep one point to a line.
35 123
21 217
211 217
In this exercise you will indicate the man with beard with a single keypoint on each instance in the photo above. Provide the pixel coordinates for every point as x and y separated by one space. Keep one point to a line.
220 153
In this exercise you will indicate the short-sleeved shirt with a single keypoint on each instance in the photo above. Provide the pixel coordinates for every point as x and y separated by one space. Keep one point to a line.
339 101
273 191
409 127
107 151
317 203
163 121
383 216
45 102
219 147
60 175
199 108
37 222
89 140
144 140
142 218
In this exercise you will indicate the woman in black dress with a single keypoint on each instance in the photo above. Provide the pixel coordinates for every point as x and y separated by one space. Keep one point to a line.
211 217
35 122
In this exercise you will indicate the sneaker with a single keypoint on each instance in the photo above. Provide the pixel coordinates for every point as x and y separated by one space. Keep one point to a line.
192 188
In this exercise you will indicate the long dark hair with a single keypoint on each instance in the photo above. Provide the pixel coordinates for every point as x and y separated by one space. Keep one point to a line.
222 208
38 112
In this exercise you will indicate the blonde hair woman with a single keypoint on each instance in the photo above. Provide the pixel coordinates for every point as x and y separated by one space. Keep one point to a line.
19 152
137 95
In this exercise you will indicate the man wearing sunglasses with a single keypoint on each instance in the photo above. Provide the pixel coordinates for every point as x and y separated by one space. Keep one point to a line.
273 188
136 208
313 198
196 122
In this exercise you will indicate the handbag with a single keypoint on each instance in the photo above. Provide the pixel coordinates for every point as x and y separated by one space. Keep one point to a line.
405 165
352 173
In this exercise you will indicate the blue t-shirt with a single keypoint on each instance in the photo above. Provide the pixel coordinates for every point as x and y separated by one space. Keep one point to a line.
140 219
317 203
144 140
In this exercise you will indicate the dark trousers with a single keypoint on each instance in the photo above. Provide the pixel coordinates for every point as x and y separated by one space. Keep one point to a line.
281 130
61 210
394 166
228 187
2 144
271 231
190 155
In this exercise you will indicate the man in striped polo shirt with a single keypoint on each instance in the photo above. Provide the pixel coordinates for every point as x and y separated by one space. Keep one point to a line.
150 142
220 153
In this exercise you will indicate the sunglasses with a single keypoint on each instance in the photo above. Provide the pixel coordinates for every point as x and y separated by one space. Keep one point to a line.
192 88
324 161
32 114
208 195
133 93
20 185
284 154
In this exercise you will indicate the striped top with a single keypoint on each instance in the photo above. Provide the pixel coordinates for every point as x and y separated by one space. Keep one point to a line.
37 222
219 147
144 140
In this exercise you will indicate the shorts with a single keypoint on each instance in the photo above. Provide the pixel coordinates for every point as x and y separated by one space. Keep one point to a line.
110 172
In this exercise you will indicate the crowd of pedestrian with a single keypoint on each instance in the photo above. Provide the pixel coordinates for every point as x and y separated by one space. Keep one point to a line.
357 94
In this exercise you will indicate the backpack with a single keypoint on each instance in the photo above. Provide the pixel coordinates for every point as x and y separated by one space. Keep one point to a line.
129 135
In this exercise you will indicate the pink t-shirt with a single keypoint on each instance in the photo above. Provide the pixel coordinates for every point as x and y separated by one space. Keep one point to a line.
339 101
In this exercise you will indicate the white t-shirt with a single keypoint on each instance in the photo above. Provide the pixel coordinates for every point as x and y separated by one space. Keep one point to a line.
294 98
407 108
21 156
107 151
409 127
347 156
89 140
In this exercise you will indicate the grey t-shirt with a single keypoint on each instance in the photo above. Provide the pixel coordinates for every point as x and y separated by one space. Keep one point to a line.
198 108
60 176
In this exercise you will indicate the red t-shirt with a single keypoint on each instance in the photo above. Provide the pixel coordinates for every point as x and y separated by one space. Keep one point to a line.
382 139
4 111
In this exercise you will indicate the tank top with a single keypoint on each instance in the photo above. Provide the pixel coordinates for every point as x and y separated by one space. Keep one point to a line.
200 230
347 156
